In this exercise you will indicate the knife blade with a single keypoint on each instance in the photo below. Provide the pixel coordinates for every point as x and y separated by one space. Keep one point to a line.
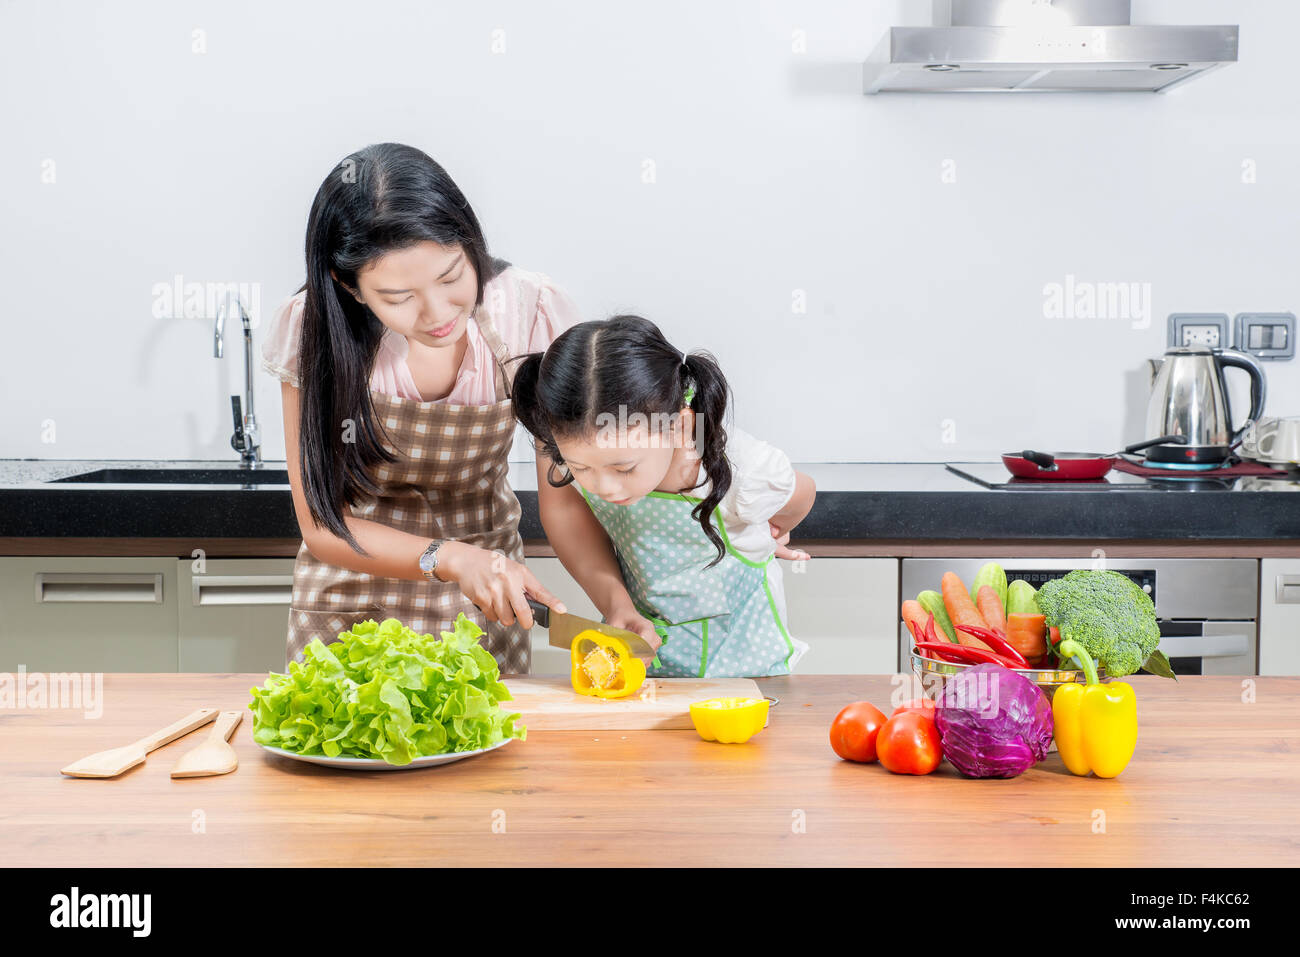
562 628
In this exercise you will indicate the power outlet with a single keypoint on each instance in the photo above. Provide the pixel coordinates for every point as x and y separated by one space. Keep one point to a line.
1200 336
1206 329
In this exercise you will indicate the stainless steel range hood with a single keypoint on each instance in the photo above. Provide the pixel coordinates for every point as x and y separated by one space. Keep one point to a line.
1053 46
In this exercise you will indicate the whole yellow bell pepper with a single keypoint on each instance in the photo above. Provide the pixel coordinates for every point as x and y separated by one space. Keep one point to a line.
603 666
1096 724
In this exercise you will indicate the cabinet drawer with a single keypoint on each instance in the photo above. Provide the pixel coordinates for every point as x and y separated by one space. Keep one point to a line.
88 614
1279 616
845 609
234 614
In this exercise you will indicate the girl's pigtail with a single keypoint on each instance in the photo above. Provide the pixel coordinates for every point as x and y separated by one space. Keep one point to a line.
709 402
527 404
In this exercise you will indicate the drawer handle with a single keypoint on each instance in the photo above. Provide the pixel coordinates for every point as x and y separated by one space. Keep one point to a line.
1288 589
242 590
143 588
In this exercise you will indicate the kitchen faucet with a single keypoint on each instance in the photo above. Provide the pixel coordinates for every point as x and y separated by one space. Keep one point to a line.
247 438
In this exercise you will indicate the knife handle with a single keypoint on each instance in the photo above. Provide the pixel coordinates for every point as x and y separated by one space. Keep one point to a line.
541 613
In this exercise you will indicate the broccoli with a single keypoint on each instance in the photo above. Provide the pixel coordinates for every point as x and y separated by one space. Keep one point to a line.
1105 612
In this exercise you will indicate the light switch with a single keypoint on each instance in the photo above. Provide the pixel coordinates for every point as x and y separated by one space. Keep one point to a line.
1267 335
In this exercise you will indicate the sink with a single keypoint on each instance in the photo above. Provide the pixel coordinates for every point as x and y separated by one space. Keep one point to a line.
181 476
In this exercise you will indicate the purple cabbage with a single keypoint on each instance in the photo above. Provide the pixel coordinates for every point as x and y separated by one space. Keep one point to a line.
993 722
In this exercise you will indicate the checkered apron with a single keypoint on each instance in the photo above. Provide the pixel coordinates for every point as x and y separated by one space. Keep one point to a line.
451 483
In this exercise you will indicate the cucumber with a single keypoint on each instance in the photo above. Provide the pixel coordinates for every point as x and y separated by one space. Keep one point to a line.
932 602
1022 599
993 576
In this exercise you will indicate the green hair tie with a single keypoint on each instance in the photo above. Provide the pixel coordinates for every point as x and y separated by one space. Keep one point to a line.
689 396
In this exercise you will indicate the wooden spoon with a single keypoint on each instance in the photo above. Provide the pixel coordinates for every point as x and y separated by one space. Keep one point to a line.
214 755
111 763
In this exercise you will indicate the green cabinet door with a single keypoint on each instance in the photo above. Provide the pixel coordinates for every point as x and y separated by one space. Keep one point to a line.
88 614
233 613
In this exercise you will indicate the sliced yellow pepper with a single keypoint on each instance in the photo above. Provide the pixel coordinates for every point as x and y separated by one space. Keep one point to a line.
603 666
729 720
1096 724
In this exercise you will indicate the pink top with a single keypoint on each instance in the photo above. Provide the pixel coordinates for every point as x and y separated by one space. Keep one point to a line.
527 308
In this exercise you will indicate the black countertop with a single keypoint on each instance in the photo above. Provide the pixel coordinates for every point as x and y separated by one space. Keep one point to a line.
912 502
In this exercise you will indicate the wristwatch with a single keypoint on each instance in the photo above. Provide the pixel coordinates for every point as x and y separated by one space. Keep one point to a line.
429 560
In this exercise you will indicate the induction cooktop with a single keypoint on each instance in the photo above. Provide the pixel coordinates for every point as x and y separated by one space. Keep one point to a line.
995 475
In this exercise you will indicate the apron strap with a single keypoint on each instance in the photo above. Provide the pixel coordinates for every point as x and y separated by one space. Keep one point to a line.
488 330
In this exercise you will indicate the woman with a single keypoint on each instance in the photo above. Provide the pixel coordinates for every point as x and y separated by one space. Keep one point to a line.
398 422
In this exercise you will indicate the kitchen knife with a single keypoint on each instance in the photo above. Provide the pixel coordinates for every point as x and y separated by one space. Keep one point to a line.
563 627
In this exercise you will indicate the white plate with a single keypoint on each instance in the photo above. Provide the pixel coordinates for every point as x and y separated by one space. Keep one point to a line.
376 764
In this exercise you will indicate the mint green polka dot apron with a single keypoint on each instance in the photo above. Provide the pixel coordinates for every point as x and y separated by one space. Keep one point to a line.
719 622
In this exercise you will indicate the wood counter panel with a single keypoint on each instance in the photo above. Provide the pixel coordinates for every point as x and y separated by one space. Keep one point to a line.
1215 782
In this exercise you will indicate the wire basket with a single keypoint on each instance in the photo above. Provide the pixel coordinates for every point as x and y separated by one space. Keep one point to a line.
934 674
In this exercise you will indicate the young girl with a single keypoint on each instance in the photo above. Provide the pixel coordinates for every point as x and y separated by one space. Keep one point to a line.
696 514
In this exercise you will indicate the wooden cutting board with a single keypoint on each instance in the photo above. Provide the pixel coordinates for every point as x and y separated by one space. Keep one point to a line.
550 703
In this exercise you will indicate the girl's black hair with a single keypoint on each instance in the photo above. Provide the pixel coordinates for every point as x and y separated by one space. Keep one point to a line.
594 368
382 198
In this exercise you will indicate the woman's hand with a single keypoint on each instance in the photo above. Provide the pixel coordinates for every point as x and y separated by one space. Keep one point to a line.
625 615
783 549
494 583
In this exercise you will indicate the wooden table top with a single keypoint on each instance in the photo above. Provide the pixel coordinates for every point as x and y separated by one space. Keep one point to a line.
1215 781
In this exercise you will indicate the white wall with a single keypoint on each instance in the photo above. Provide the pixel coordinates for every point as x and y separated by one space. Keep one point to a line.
774 174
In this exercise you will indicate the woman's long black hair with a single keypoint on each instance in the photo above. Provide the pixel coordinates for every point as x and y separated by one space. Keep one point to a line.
380 199
596 368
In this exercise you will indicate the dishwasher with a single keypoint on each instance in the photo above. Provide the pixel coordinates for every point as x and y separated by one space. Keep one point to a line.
1206 607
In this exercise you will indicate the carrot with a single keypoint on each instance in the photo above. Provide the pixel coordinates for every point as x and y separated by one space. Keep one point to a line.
990 606
1028 635
912 611
961 609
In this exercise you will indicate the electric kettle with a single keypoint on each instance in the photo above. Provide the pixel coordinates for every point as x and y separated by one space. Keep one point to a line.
1190 398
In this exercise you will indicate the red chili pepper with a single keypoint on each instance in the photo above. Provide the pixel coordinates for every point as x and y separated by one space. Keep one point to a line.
944 651
997 642
929 629
969 654
1054 634
915 629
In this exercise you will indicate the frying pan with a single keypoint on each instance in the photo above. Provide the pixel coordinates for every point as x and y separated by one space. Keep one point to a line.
1075 466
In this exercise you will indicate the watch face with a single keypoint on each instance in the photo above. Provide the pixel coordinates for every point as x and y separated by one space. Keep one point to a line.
429 560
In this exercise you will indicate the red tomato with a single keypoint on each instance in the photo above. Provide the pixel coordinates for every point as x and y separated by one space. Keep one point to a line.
909 744
853 732
923 706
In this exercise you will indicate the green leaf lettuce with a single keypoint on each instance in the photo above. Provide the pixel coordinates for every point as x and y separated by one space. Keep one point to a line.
383 691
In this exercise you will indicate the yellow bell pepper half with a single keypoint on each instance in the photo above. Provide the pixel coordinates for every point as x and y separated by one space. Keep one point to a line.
1096 724
603 666
729 720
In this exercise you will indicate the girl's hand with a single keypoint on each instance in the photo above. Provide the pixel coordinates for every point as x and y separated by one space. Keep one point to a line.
626 616
493 582
783 549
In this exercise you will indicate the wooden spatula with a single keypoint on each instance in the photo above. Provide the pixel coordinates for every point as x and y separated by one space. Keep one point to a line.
109 764
214 755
